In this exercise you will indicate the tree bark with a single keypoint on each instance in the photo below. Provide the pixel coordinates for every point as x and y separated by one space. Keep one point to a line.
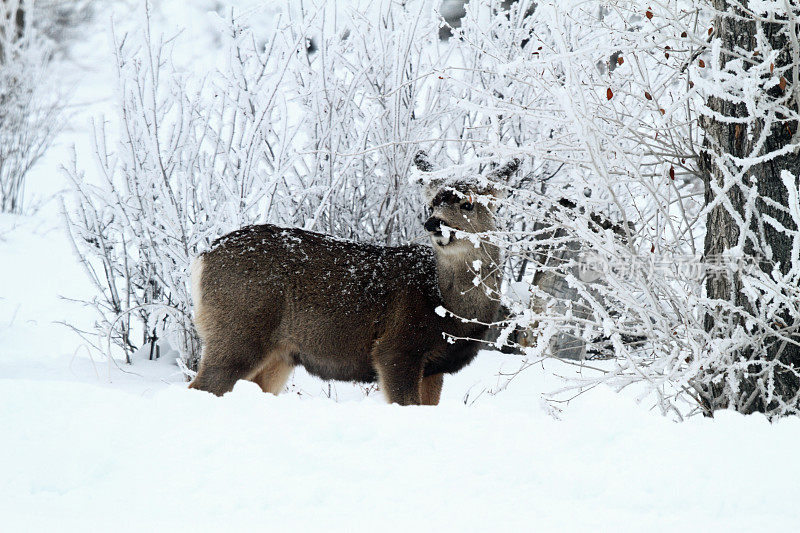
770 247
18 27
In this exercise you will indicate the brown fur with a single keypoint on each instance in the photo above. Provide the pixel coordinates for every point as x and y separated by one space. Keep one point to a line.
431 389
273 377
268 299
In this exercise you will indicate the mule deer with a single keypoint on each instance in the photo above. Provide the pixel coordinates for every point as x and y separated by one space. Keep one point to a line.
268 299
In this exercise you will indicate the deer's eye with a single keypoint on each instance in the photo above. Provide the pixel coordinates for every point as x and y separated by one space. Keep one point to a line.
467 206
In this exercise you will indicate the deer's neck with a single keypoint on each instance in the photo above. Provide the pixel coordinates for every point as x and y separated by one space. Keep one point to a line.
457 273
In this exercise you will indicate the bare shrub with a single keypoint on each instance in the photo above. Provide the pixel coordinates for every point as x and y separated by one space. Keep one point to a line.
673 128
321 139
30 112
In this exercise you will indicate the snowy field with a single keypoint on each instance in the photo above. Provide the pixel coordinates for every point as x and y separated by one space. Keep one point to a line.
88 445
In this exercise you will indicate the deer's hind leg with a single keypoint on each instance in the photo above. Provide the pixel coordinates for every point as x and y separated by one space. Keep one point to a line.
226 359
275 373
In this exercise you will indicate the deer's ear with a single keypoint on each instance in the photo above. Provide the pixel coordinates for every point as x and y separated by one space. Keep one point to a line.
422 161
429 191
429 187
506 171
499 177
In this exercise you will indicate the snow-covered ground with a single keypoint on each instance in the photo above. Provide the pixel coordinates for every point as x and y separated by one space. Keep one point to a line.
85 445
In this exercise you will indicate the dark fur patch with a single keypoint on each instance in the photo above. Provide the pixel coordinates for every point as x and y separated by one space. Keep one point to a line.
343 310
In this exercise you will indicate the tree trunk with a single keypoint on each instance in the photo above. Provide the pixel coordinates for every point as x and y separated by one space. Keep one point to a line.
767 246
17 29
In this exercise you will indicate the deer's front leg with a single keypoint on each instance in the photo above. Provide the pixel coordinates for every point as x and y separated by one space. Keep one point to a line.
430 389
399 373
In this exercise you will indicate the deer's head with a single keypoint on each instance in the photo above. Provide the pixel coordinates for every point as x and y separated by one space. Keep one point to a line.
465 205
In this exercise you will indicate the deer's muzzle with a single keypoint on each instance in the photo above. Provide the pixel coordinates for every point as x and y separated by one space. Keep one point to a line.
433 225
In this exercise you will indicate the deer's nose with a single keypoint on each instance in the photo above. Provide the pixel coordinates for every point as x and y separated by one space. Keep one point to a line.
433 224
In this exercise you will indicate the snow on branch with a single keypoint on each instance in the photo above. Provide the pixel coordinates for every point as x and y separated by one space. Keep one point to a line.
30 112
320 137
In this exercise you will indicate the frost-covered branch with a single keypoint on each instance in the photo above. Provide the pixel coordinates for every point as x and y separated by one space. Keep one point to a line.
30 112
